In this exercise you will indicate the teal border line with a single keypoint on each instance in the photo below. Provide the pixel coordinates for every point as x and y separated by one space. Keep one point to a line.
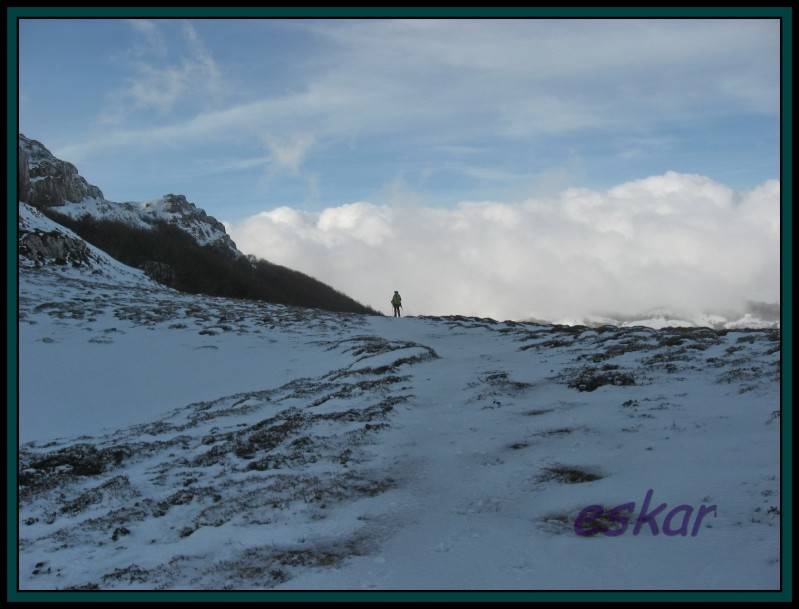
785 14
404 11
786 301
11 305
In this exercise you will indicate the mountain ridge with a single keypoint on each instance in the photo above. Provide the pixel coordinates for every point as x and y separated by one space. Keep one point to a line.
46 181
173 240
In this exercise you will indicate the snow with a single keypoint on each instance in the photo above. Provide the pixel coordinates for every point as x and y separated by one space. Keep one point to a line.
288 448
104 210
139 377
141 215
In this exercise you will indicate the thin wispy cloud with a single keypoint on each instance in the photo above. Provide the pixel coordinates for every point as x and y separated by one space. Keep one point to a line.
463 78
235 165
158 84
151 42
288 153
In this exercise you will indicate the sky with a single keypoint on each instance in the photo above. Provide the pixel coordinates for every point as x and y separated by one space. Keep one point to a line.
370 152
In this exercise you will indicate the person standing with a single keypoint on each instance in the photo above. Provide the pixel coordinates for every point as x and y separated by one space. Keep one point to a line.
396 302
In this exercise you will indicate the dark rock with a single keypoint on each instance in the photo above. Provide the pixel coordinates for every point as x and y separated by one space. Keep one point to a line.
590 379
53 247
120 532
568 474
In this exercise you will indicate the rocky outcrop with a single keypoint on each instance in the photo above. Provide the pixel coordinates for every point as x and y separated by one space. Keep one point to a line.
178 204
177 210
46 181
53 247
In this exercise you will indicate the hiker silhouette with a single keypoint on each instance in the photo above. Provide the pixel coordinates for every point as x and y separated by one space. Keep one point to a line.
396 302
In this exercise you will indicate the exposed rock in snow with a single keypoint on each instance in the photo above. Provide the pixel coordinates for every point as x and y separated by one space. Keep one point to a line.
54 246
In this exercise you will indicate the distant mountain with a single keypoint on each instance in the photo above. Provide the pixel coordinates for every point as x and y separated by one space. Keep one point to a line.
753 315
174 241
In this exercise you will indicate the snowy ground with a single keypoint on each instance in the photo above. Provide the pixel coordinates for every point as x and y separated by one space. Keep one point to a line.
176 441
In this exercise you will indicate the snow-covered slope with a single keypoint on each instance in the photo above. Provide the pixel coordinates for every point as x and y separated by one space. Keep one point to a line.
46 181
44 242
177 441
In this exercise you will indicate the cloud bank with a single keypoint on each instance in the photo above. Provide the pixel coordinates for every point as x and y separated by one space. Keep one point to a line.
677 242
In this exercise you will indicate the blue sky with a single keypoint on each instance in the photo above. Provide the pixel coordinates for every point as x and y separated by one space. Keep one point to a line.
245 116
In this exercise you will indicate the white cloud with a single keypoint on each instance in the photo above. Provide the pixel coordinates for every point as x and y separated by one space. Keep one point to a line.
683 242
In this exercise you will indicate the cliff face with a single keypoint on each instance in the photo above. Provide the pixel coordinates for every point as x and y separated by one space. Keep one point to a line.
45 181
